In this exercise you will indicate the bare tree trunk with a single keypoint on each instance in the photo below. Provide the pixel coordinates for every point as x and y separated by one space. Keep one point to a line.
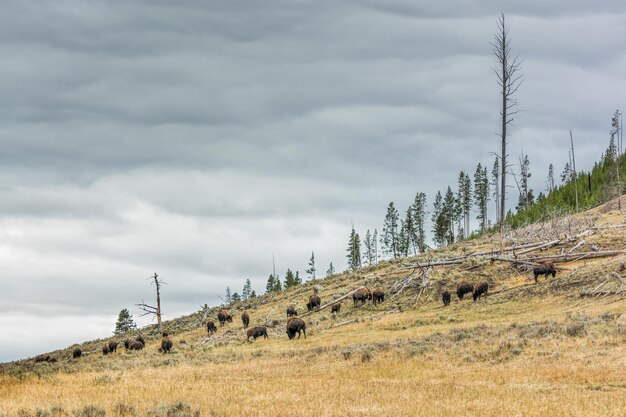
574 168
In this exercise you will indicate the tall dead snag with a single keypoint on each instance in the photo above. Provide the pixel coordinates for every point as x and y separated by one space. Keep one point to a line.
509 81
151 310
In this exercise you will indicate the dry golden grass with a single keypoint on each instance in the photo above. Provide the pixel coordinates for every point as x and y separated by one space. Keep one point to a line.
528 351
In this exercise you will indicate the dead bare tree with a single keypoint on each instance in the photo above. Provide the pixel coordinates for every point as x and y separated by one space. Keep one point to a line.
151 310
509 80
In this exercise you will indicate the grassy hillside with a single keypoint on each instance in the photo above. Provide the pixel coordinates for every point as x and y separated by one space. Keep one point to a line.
525 349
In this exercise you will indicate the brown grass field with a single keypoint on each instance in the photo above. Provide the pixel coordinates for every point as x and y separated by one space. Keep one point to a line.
527 351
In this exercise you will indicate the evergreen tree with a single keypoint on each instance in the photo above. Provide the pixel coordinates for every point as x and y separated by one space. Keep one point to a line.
290 279
550 181
227 297
247 289
389 237
331 270
438 221
369 249
495 176
419 214
451 212
278 287
481 195
311 270
235 297
375 245
464 197
403 240
252 294
566 175
125 322
354 250
524 201
271 284
410 231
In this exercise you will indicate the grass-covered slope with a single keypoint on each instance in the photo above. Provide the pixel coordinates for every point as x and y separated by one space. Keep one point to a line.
525 349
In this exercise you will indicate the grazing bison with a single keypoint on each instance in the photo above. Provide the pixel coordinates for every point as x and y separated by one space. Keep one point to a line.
362 295
42 358
112 346
295 325
210 327
546 268
77 353
223 316
445 296
140 339
291 311
335 308
314 302
245 318
136 345
378 295
166 344
52 360
463 288
257 332
105 350
127 343
480 289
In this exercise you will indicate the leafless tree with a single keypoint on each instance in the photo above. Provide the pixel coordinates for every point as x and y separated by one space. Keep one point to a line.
151 310
509 79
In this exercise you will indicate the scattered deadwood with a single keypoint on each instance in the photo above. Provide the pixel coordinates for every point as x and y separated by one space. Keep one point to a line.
228 334
374 317
597 292
332 302
578 256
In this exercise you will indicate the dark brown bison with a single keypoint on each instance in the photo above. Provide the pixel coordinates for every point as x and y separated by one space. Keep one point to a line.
112 346
256 332
291 311
480 289
463 288
546 268
52 360
42 358
445 296
77 353
136 345
210 327
295 325
166 345
378 295
245 318
105 350
127 343
224 316
335 308
314 302
362 295
140 339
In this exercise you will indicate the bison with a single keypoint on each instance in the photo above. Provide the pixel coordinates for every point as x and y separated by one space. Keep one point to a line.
223 316
105 350
295 325
335 308
210 327
245 318
42 358
256 332
166 345
136 345
314 302
77 353
291 311
378 295
362 295
480 289
112 346
445 296
140 339
546 268
463 288
127 343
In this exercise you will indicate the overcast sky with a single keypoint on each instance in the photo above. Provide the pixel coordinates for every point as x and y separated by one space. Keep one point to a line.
196 140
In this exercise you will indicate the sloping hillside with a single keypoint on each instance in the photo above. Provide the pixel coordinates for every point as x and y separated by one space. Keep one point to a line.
523 349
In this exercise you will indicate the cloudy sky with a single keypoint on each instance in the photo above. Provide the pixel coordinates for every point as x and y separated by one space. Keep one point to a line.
198 139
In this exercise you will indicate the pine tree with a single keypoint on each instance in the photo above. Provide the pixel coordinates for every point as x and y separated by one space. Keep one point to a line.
375 245
227 297
331 270
481 195
125 322
369 249
290 279
252 294
550 180
410 231
566 175
271 284
354 250
403 241
524 201
235 297
419 214
278 287
438 221
311 270
451 209
389 237
247 289
495 175
464 201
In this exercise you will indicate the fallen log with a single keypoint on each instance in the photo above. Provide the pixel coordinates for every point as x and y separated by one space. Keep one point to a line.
586 293
578 256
